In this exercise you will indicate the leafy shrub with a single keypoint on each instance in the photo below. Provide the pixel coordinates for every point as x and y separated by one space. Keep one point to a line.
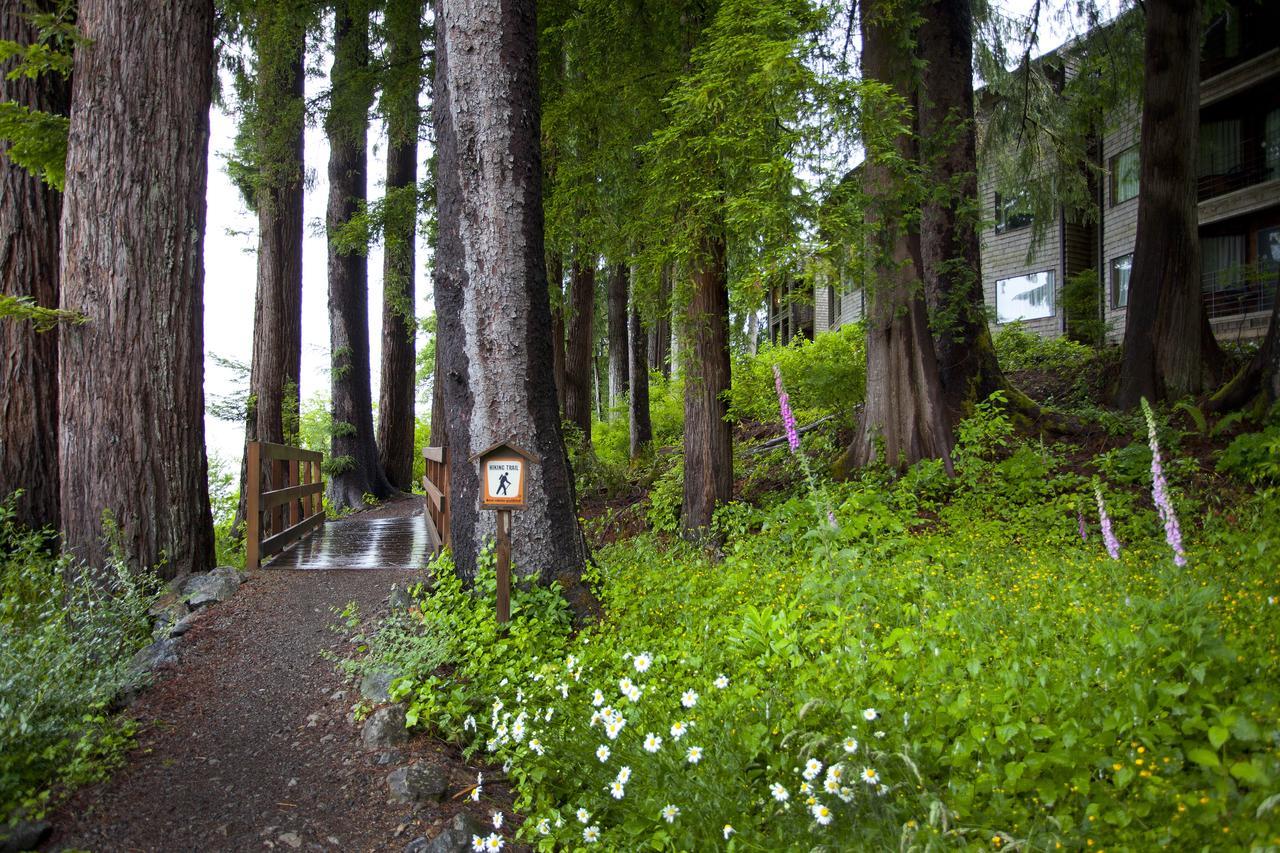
1255 456
66 639
1020 349
824 376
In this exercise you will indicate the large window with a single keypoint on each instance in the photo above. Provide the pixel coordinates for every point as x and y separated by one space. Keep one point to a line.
1121 267
1012 212
1219 147
1222 275
1024 297
1124 175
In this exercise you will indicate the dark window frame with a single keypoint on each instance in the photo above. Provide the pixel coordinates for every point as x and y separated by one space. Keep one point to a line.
1012 221
1115 174
1113 277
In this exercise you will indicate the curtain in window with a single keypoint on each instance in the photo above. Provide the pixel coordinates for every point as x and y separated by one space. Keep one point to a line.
1222 262
1120 269
1219 147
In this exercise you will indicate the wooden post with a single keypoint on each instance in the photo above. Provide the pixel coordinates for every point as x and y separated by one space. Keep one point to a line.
253 514
504 566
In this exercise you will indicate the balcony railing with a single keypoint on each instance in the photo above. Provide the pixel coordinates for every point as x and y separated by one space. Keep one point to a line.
1252 168
1240 291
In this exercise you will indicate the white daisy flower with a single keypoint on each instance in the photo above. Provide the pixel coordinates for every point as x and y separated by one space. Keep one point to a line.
612 728
728 830
591 834
652 742
779 793
870 714
721 682
624 775
693 754
570 663
634 693
812 768
544 827
564 690
496 817
536 746
846 795
689 698
831 786
602 753
597 698
616 789
583 815
670 813
494 842
477 844
678 728
595 718
820 813
469 724
624 685
642 662
851 745
870 776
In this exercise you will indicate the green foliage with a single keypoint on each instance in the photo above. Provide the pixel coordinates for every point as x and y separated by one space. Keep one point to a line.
825 376
1254 457
66 637
1019 349
315 423
38 140
224 501
24 308
1082 302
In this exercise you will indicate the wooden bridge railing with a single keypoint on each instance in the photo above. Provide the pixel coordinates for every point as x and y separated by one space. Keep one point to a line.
436 483
284 498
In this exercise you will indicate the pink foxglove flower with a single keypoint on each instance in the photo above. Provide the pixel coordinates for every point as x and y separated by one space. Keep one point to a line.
1108 538
784 403
1160 491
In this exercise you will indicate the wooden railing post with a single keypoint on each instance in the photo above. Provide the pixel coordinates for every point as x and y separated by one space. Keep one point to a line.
253 511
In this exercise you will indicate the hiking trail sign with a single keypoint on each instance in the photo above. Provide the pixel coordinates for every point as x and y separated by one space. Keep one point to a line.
504 471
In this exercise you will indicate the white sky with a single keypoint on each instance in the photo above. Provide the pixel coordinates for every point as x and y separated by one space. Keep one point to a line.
231 243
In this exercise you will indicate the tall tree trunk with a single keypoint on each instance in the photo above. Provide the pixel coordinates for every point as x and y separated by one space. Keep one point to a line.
278 117
29 214
949 223
619 372
354 467
555 281
131 381
491 286
399 322
704 349
904 412
439 420
640 422
660 331
580 344
1168 344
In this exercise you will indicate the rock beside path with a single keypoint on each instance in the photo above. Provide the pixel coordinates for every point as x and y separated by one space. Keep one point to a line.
454 838
376 686
25 835
418 783
216 586
385 727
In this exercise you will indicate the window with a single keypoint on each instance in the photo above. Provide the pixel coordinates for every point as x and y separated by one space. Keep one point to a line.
834 307
1271 145
1222 275
1024 297
1219 147
1012 212
1121 267
1124 175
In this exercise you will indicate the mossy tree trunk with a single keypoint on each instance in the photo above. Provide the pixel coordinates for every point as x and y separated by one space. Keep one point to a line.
580 344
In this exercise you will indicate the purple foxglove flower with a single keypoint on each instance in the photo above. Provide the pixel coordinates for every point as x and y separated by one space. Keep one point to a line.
1160 491
1108 538
1084 531
784 403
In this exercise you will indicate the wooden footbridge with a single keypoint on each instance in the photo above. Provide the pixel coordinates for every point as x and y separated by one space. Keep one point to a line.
286 527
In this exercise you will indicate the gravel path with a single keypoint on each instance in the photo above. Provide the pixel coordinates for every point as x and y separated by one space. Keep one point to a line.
247 744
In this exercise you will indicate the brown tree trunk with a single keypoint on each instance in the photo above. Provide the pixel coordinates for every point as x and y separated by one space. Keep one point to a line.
580 345
29 215
619 372
1256 386
904 412
131 404
439 421
399 323
354 467
1168 345
949 219
660 331
555 281
641 424
704 349
491 286
278 116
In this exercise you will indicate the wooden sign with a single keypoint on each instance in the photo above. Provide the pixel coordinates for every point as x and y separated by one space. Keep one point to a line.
504 470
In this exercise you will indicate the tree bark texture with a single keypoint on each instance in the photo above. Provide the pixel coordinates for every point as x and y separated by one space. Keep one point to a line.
660 330
131 403
949 220
29 216
278 113
619 369
708 440
491 287
399 322
1167 336
904 414
354 467
639 419
580 345
555 281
